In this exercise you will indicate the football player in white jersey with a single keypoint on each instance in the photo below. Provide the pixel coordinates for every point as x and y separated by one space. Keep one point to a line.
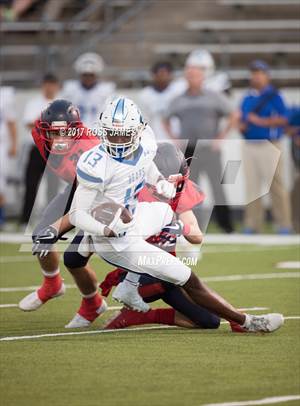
116 171
155 99
8 139
89 93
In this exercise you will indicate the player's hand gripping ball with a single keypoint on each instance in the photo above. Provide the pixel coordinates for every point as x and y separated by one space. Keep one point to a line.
117 219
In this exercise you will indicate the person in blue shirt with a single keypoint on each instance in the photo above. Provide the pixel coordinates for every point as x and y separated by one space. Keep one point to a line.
263 117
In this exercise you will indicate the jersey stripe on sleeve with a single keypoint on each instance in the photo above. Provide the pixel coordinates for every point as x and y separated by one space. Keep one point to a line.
88 177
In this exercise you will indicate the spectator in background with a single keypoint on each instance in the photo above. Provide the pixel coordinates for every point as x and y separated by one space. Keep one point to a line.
155 99
199 111
8 140
35 166
88 93
293 130
263 117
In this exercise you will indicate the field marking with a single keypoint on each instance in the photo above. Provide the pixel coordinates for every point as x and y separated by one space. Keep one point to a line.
10 305
235 238
5 306
8 259
265 401
226 278
29 288
73 333
288 265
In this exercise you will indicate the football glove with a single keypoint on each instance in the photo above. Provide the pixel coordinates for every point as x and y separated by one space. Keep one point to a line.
118 227
44 240
165 188
175 228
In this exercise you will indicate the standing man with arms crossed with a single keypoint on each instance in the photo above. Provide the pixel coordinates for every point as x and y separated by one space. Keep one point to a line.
263 118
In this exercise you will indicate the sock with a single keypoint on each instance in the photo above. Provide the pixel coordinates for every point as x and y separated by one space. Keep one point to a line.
89 306
247 321
51 285
132 278
153 316
165 316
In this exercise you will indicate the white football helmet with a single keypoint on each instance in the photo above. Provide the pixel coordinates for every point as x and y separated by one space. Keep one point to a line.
203 59
89 62
121 126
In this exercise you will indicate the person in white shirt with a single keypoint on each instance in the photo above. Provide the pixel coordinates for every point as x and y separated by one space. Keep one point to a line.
89 93
35 166
8 139
155 99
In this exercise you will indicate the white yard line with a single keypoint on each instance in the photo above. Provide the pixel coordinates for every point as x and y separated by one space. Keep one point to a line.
28 288
206 249
76 333
265 401
226 278
9 305
288 265
264 239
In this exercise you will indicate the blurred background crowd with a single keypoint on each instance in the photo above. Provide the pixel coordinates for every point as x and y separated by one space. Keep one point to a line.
207 71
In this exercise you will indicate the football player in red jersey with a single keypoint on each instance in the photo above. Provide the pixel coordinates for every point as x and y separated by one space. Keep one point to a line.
183 311
61 138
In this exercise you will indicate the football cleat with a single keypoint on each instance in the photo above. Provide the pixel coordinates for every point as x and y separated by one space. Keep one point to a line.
32 301
127 293
265 323
79 321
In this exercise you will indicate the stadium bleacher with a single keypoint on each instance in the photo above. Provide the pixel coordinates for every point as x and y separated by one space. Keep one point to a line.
233 30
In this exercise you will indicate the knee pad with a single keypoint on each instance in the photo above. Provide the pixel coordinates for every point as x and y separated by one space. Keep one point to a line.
74 260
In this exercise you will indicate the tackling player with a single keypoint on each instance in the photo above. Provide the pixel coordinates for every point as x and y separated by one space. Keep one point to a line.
61 139
116 171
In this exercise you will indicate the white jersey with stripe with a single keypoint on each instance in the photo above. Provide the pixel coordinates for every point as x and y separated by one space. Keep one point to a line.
116 179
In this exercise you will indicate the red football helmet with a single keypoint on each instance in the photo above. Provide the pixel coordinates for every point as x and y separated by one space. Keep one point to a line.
59 125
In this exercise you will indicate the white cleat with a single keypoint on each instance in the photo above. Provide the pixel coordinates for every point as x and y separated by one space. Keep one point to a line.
127 293
32 302
79 321
265 323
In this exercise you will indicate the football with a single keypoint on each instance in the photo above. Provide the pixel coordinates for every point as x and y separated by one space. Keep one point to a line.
106 212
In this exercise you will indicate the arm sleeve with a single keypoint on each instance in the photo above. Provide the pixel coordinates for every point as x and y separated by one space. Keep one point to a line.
153 175
90 185
79 214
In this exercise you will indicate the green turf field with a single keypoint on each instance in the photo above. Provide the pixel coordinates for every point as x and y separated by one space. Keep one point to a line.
165 367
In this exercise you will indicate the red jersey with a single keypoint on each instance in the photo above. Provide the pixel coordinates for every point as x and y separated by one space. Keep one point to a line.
64 165
188 198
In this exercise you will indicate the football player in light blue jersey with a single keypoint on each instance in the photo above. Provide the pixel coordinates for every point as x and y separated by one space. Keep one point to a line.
116 171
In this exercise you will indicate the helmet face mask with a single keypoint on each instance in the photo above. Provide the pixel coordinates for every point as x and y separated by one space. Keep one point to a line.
59 126
121 127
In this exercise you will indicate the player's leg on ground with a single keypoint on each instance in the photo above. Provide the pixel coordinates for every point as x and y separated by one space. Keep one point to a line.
164 266
203 296
188 311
